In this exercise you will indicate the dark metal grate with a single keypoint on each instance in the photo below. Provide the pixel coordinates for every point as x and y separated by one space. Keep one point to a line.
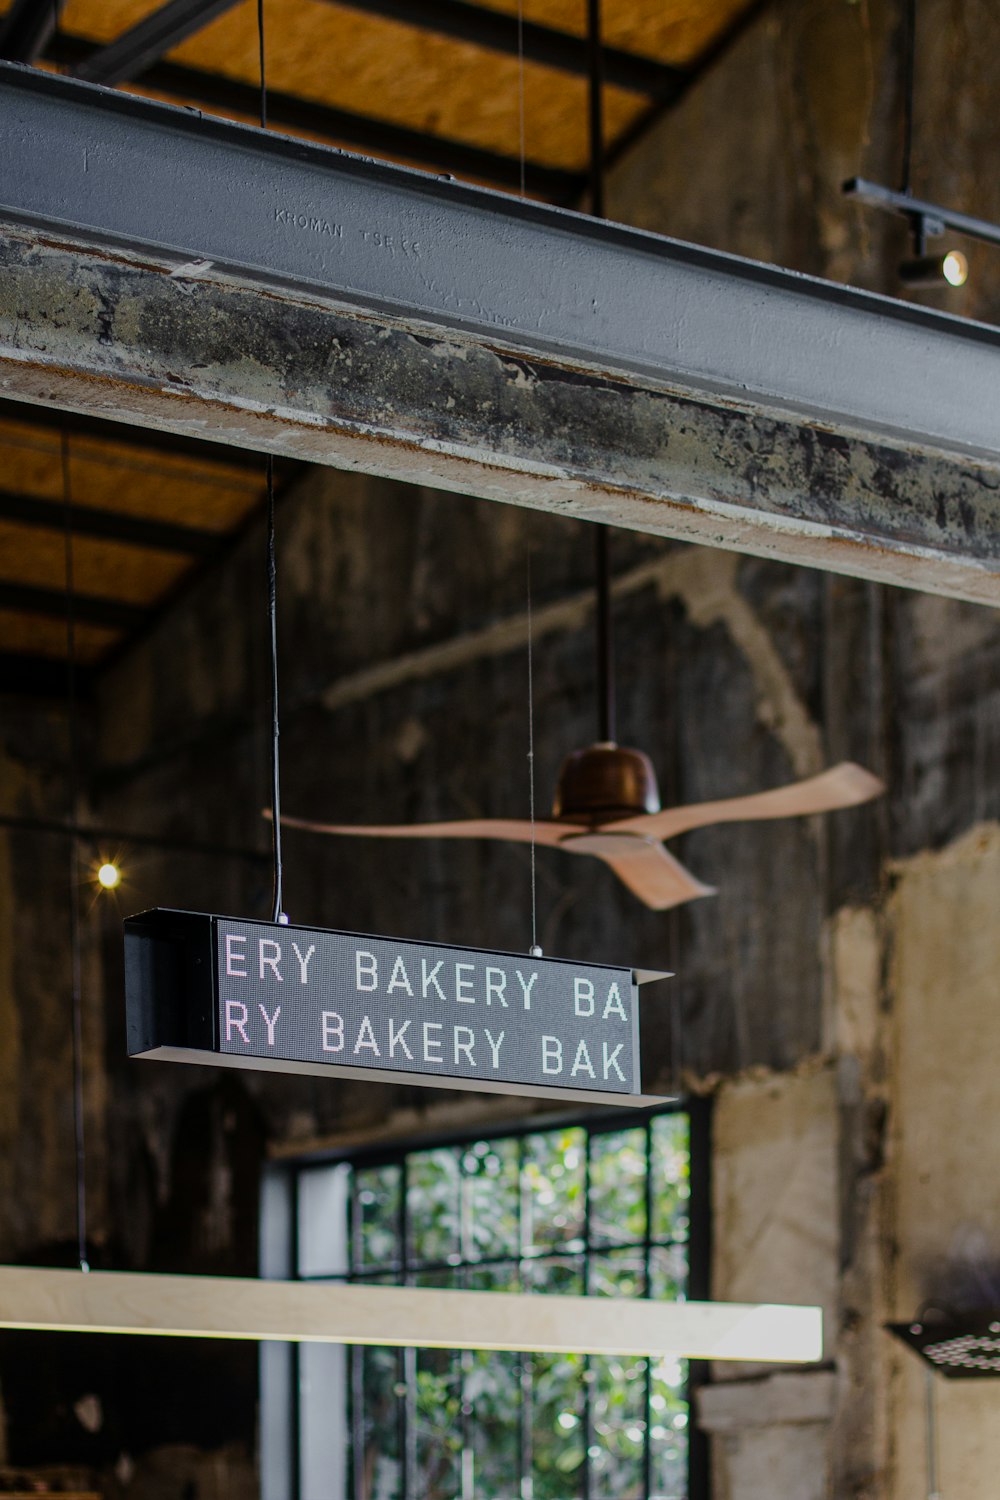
962 1349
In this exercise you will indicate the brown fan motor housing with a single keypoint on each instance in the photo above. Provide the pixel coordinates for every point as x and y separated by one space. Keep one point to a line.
605 782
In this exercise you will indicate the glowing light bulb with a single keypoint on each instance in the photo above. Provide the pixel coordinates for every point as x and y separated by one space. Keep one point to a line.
108 876
955 268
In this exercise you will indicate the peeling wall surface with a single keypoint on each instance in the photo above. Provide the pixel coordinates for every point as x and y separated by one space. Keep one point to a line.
836 997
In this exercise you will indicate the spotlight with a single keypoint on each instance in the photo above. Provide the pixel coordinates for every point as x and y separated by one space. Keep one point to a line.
108 876
932 270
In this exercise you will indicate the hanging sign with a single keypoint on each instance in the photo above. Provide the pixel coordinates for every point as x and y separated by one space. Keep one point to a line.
202 988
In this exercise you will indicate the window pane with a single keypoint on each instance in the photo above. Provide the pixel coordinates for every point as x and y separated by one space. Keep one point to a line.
618 1427
376 1216
438 1423
618 1273
668 1272
492 1396
512 1213
668 1426
378 1467
553 1189
554 1274
618 1188
491 1195
433 1207
557 1427
670 1167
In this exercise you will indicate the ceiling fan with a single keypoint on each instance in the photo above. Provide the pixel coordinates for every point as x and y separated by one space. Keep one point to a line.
607 803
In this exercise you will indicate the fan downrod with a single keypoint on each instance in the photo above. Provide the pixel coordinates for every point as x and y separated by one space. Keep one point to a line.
604 782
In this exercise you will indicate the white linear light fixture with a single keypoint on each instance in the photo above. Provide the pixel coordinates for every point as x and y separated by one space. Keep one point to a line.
316 1312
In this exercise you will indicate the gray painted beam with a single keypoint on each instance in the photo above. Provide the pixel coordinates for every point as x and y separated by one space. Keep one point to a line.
450 336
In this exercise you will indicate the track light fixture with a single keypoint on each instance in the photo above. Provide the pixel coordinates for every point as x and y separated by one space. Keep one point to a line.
932 270
927 221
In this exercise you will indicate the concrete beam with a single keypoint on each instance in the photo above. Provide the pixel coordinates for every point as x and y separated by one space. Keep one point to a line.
90 332
522 354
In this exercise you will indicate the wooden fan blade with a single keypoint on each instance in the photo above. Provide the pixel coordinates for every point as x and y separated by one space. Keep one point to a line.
517 830
842 786
659 880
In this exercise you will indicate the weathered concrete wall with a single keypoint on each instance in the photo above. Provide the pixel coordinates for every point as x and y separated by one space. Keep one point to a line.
944 1148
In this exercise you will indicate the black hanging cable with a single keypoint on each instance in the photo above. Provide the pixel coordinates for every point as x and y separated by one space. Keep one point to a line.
277 905
909 74
74 869
607 728
277 914
606 725
521 132
596 107
263 76
534 950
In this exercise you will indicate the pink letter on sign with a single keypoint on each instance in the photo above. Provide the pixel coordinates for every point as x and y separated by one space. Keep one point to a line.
236 1020
233 958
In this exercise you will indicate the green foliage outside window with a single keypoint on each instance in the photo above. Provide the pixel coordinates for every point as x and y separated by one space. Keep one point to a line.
567 1210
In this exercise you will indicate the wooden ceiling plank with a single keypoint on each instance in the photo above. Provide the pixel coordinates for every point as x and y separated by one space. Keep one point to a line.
497 31
362 132
117 526
132 54
43 639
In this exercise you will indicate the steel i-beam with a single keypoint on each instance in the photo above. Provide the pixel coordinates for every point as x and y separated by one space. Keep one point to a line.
187 273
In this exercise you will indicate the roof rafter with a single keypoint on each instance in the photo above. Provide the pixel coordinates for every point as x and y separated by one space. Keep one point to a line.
27 29
109 525
498 32
361 132
88 609
132 53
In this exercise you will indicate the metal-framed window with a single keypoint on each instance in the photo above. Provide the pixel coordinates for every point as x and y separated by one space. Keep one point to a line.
608 1204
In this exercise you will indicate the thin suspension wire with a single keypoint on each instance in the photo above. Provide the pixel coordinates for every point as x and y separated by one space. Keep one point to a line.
522 135
607 729
277 902
277 913
930 1419
909 86
263 75
76 963
607 726
535 949
596 109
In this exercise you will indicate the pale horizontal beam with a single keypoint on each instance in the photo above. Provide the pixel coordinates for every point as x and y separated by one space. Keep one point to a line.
423 1318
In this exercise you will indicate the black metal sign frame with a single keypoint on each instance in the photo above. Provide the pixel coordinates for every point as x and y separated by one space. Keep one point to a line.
228 992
